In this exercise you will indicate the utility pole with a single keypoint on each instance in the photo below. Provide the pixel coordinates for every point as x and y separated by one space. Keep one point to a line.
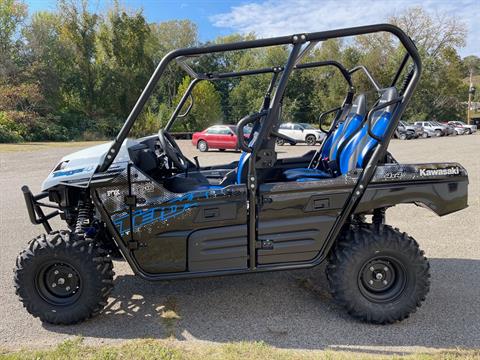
471 91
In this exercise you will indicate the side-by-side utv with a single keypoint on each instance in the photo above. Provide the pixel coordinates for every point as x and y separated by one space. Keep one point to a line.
170 218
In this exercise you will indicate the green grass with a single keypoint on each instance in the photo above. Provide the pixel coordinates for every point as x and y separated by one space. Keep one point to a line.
35 146
171 349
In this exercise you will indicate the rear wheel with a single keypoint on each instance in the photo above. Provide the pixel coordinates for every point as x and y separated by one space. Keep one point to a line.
424 135
62 279
202 146
378 274
311 140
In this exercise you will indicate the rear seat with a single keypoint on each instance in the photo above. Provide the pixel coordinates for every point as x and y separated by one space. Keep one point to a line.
352 152
345 129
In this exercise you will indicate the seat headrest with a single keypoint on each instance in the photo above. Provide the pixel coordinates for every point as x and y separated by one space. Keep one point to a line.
388 94
359 105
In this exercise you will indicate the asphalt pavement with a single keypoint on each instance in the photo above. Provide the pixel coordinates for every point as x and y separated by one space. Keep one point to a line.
284 309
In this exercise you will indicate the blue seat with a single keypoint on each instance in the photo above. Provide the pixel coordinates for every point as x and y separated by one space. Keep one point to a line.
329 151
357 148
356 152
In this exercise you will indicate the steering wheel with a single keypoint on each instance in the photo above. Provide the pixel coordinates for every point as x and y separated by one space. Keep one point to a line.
171 149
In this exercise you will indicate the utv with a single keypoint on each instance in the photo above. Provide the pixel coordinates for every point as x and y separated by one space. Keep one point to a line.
171 218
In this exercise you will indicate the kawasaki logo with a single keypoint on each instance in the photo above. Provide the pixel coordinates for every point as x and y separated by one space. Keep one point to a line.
439 172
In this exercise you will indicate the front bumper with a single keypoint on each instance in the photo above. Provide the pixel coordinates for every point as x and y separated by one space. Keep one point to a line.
34 208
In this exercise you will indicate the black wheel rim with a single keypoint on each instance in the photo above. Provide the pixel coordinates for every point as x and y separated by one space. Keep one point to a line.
58 283
382 279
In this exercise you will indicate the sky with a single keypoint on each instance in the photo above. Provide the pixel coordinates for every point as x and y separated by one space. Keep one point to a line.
268 18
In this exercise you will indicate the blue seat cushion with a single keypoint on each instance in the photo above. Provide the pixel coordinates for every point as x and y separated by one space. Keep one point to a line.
295 174
306 179
208 187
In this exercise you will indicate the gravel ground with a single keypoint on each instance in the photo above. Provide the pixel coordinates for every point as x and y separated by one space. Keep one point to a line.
285 309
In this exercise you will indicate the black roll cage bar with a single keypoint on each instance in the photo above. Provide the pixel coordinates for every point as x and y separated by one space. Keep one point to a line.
276 70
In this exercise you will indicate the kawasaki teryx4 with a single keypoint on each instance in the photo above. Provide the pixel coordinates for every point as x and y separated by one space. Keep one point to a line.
170 218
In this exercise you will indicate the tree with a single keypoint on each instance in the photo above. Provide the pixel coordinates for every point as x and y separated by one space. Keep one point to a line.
48 59
206 110
78 28
472 63
431 33
12 15
123 61
439 93
165 37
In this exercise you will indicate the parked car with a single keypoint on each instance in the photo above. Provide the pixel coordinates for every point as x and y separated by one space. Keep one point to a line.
217 137
432 129
403 133
301 132
457 129
449 130
468 129
415 129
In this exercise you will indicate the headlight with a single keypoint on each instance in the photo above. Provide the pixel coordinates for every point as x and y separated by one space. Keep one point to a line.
62 165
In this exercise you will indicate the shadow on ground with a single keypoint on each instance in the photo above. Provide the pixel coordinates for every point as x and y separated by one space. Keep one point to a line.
285 309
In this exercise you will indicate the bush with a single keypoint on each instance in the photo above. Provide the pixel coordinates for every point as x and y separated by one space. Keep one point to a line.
16 126
10 132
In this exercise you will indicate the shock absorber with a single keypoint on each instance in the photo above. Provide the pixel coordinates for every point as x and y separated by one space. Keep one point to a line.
378 217
84 218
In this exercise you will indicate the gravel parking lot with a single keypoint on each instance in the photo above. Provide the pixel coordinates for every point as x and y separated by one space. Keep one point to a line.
284 309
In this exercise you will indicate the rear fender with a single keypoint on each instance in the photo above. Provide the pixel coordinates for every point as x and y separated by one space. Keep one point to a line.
441 187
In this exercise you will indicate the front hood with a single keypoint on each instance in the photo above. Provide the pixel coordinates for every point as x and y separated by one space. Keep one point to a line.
77 168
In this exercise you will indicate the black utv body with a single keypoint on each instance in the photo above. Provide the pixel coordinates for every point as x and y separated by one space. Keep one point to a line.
170 218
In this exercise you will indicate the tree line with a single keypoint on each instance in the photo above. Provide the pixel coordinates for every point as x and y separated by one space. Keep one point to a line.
75 74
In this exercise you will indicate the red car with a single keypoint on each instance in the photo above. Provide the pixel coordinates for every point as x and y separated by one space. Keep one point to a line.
216 137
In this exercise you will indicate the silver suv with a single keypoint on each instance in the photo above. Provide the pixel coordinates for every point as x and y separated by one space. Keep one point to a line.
416 130
432 129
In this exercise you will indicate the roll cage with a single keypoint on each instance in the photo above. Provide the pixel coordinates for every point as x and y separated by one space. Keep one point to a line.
308 41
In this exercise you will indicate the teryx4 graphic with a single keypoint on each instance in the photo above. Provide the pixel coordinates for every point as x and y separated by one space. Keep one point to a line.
170 218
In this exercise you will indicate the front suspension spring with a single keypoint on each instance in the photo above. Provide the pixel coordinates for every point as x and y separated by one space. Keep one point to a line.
84 217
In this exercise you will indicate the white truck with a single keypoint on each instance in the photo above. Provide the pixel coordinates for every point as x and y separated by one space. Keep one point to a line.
301 132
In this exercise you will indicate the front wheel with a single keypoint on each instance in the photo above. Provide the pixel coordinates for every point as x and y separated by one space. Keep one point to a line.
402 136
310 140
438 133
378 274
63 280
202 146
468 132
425 135
280 142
